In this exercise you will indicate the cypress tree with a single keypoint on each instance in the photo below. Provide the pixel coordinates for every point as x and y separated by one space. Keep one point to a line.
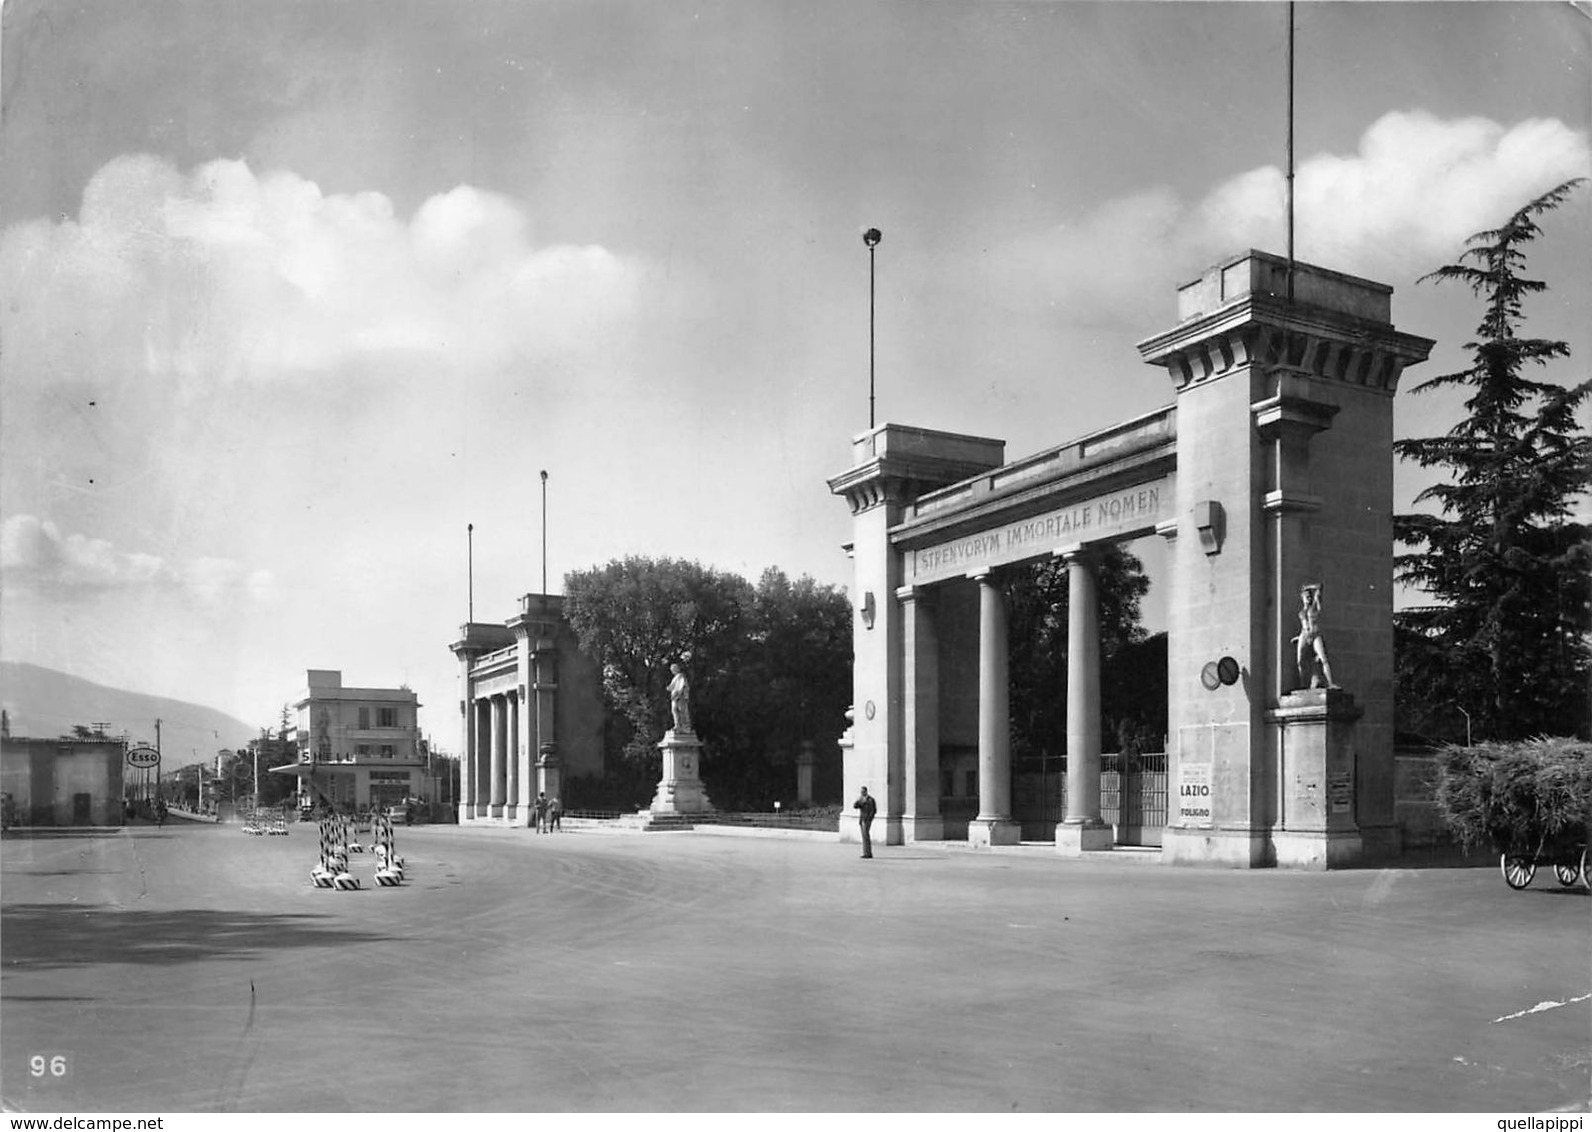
1506 566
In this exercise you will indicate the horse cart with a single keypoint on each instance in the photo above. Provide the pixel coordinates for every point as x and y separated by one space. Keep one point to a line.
1566 854
1531 800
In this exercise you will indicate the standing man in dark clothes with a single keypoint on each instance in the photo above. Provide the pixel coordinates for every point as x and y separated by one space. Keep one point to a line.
866 807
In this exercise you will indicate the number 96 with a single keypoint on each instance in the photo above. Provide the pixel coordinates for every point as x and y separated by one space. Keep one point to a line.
55 1066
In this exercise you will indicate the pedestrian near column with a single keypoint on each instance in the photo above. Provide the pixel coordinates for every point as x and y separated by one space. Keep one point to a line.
541 813
555 814
866 807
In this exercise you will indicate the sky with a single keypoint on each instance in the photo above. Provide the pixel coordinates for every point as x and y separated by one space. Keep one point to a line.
295 292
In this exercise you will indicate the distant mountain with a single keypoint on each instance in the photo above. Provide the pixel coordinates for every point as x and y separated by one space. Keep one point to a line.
43 703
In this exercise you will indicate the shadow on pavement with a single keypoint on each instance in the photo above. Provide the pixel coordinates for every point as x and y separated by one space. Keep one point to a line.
39 936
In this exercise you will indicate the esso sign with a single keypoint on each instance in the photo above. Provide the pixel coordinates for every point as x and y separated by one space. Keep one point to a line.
143 757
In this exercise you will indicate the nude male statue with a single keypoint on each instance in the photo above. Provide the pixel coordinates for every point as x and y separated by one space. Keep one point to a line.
1312 649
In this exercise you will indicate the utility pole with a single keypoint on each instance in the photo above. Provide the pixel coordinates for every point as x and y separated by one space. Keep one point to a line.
1290 151
871 238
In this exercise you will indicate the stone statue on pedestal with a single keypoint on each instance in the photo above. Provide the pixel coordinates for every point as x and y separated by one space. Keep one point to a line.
1312 650
680 699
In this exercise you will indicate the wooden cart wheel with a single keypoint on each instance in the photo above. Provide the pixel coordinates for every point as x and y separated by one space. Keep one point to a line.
1567 874
1517 869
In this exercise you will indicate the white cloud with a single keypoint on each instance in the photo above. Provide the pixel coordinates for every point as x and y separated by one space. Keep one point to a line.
1405 201
223 273
35 556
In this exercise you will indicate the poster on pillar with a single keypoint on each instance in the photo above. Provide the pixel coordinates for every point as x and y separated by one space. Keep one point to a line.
1194 794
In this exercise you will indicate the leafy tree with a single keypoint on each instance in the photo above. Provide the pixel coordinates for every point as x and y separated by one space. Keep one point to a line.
1506 637
790 683
769 666
1037 605
637 616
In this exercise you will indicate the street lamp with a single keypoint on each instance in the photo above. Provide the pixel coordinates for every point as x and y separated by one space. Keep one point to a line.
870 237
544 533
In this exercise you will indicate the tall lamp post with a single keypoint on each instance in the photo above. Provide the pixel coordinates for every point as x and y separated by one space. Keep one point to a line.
544 532
871 237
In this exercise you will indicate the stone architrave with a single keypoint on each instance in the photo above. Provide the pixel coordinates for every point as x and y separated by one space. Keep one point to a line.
680 790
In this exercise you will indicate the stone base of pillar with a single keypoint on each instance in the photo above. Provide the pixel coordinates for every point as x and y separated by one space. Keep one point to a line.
680 791
495 811
985 832
1317 850
1237 848
925 828
511 813
1076 838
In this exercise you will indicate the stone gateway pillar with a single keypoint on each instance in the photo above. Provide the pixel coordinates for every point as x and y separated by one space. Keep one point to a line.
1284 478
893 466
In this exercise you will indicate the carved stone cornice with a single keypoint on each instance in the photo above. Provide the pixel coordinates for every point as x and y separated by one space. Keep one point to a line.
1336 327
897 479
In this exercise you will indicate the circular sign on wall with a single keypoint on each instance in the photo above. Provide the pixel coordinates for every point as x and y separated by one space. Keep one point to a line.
143 757
868 709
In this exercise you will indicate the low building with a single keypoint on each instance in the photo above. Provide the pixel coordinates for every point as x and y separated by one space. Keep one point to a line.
357 747
62 782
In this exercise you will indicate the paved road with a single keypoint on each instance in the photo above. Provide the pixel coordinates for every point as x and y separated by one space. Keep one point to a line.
194 969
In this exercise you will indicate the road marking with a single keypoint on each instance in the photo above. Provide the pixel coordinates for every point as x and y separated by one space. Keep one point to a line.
1546 1004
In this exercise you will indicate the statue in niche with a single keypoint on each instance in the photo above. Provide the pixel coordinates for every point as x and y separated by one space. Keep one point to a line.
680 699
1315 671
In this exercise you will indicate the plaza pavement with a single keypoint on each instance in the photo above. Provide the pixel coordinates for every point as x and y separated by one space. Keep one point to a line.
193 968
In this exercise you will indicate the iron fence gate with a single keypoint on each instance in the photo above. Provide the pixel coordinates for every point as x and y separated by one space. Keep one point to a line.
1133 797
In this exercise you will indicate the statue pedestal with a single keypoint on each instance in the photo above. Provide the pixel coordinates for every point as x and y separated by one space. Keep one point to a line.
680 791
1316 821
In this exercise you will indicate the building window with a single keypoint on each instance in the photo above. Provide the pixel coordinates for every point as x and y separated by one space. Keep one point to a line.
364 719
386 750
362 751
386 717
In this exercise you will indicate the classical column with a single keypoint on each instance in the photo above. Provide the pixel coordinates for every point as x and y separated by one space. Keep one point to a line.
511 790
483 756
994 824
497 756
920 725
1082 828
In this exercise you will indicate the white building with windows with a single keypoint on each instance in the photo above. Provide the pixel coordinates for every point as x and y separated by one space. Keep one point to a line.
358 747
